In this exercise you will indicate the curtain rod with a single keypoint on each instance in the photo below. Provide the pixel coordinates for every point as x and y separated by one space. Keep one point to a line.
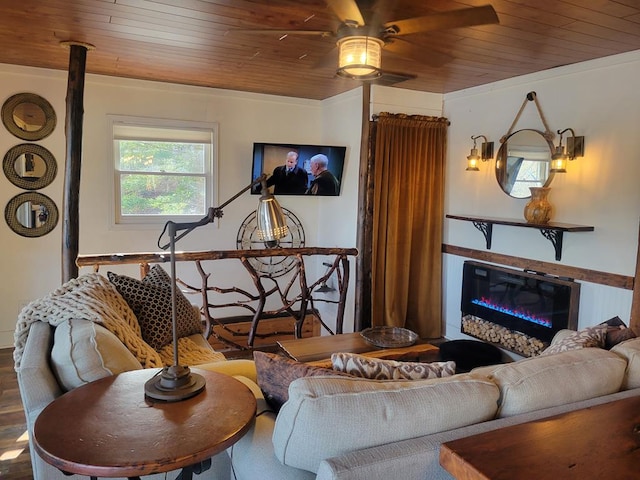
425 118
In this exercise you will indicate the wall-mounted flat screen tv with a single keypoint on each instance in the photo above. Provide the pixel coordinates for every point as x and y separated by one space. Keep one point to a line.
295 169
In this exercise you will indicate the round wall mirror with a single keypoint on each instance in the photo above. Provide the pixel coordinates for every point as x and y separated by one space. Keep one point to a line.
28 116
31 214
523 161
30 166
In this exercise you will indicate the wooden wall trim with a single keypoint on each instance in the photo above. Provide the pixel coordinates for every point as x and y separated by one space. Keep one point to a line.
586 275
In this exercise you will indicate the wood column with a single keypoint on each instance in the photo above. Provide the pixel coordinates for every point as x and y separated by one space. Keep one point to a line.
73 157
365 221
634 322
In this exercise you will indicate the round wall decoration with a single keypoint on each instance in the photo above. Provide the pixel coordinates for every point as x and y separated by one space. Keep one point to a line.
31 214
28 116
29 166
247 239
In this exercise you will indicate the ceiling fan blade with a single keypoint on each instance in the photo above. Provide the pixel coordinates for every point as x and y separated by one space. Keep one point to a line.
465 17
275 31
347 11
418 54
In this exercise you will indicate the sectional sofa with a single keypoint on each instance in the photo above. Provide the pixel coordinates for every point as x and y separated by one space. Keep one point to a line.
338 427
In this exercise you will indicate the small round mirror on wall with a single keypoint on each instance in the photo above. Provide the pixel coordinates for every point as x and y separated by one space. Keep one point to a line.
31 214
523 161
30 166
28 116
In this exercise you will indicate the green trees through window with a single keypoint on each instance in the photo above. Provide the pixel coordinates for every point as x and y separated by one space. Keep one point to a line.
162 178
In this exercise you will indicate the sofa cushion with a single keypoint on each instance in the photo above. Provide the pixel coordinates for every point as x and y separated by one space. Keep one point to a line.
150 300
630 351
275 372
372 412
551 380
379 369
84 351
587 337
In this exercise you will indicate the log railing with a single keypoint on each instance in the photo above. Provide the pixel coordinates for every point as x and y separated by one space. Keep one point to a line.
293 292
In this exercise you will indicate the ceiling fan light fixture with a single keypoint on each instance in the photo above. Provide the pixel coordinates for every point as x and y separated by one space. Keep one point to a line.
360 57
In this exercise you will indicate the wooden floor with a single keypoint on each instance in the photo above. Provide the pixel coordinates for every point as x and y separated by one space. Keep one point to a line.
13 440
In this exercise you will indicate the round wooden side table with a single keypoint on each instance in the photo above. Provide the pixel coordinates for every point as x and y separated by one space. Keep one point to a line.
108 428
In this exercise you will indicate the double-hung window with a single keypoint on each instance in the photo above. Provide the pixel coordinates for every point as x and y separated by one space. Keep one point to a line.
163 169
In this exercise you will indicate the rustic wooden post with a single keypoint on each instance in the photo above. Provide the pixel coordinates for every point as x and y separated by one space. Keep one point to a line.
635 302
365 221
73 157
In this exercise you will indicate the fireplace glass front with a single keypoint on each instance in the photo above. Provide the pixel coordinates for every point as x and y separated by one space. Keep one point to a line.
532 304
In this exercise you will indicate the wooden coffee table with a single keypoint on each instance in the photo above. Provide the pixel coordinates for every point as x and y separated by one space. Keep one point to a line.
317 350
599 442
108 429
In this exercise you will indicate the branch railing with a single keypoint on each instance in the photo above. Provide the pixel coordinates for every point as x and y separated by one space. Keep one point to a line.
296 302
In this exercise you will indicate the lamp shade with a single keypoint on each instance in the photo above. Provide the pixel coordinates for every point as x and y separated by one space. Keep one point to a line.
359 57
272 224
472 160
559 161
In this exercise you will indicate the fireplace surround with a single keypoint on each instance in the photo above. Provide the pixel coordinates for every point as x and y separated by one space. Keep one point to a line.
519 310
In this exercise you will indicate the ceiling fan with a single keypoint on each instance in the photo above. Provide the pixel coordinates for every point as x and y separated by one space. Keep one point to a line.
364 32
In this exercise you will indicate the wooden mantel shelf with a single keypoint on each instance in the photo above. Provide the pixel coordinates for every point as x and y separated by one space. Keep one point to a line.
552 231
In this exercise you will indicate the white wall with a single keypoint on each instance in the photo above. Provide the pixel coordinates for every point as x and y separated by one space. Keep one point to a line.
598 99
32 266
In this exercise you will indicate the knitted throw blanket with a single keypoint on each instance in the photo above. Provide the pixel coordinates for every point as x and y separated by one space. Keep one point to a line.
92 297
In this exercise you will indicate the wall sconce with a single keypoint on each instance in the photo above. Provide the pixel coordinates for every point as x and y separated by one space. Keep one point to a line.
575 148
486 150
359 57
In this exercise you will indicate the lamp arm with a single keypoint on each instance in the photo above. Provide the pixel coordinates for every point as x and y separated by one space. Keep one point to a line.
214 212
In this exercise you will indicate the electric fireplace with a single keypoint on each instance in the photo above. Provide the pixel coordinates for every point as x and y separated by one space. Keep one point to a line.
521 311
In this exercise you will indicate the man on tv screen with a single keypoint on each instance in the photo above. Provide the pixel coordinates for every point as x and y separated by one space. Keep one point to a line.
289 178
324 182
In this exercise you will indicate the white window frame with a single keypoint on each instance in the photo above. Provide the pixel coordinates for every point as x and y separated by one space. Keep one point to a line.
144 128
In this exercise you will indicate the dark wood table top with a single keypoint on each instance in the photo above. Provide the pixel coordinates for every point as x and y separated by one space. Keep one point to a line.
108 429
600 442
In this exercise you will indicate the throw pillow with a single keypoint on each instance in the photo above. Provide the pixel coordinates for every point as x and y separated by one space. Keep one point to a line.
150 300
275 373
617 332
587 337
378 369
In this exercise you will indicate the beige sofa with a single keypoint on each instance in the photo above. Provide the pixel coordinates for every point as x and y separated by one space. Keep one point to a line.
342 427
351 428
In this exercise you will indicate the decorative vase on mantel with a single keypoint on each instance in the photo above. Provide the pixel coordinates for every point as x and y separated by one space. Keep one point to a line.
538 209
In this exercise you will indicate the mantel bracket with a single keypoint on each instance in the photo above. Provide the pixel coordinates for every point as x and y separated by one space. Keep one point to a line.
487 230
555 237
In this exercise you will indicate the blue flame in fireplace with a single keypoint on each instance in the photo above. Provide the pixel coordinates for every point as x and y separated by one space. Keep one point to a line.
514 313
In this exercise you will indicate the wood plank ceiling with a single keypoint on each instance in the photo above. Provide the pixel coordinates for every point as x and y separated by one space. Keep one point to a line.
193 42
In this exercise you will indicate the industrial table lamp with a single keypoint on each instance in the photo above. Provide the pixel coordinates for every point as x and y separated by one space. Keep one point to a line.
177 382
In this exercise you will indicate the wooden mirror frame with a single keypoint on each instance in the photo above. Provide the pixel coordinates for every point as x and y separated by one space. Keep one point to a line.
49 116
29 183
11 214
